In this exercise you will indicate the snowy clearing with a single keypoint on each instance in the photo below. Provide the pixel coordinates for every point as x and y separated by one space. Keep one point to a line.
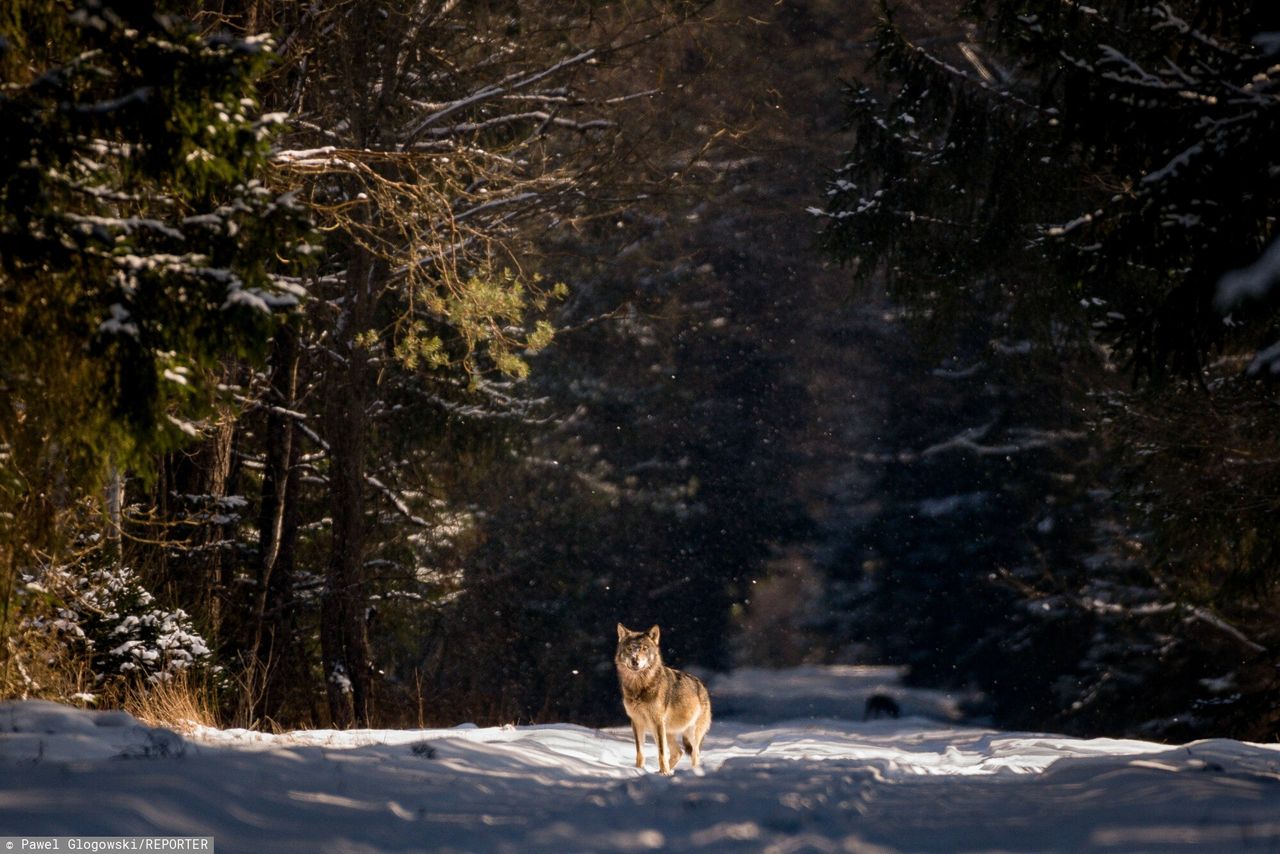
788 766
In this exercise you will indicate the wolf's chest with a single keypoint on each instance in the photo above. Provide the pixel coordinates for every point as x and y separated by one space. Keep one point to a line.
641 688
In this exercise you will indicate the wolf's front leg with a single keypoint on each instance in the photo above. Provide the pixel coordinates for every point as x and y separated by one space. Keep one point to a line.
664 755
639 734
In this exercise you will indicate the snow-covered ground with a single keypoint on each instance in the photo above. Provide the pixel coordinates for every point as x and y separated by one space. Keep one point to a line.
788 766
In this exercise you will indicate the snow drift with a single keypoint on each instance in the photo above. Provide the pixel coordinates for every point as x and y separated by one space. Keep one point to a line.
813 778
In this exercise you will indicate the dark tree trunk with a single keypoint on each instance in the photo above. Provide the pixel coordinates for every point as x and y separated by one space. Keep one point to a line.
270 649
190 488
344 637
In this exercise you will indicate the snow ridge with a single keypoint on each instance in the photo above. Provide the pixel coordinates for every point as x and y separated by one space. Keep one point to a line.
822 780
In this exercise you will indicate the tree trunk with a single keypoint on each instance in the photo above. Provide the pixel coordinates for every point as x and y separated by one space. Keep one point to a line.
271 620
193 483
115 508
344 638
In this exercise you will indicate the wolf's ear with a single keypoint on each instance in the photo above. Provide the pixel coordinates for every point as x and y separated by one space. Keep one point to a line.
623 631
653 634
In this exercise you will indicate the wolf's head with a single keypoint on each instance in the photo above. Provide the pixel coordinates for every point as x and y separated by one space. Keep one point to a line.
637 650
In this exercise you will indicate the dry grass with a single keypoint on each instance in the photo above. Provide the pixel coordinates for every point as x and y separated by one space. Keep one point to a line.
35 664
39 662
182 704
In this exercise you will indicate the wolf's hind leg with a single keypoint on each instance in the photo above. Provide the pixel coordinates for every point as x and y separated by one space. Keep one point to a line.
691 749
694 745
664 744
673 750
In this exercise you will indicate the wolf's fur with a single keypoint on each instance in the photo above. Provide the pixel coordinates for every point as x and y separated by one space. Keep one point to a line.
669 703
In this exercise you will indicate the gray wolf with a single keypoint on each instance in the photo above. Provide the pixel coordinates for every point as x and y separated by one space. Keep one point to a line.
881 705
669 703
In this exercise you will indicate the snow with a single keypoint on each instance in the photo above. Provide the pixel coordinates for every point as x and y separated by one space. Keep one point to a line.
1253 282
1266 359
118 323
934 508
306 154
788 766
1268 42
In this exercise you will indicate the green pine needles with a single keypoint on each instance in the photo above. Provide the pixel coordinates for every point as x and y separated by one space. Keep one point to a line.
139 247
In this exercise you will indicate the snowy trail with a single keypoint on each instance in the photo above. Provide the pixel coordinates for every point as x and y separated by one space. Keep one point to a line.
811 784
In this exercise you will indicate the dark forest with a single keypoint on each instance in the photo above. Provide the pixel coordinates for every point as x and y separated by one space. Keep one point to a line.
366 362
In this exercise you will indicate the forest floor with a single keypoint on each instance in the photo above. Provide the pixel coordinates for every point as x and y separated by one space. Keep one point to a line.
788 766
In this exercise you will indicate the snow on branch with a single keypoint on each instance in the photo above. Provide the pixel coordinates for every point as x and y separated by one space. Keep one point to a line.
128 225
1179 162
508 84
511 118
312 435
1023 440
1096 605
1137 76
990 87
501 407
1078 222
1225 627
396 501
1166 14
139 95
493 203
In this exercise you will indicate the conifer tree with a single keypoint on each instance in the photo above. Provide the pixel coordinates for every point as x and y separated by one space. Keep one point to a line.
1103 164
138 246
1081 178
